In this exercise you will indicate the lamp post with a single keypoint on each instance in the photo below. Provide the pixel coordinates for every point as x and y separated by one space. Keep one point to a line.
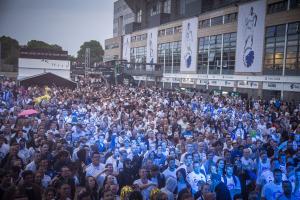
116 73
164 60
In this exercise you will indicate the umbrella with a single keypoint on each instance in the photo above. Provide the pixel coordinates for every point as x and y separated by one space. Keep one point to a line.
27 112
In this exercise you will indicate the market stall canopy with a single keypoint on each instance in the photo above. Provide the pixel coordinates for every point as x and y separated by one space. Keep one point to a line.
47 79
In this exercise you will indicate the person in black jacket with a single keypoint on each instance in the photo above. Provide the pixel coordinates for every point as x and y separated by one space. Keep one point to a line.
91 188
28 188
222 192
126 177
157 177
6 162
64 177
204 190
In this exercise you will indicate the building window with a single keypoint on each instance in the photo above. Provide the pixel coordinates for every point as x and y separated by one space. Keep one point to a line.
169 31
294 4
216 21
232 17
164 53
167 6
292 62
204 23
203 55
274 49
176 56
214 57
138 38
182 7
210 54
229 46
133 38
161 32
144 37
139 16
277 7
109 46
155 9
177 29
138 54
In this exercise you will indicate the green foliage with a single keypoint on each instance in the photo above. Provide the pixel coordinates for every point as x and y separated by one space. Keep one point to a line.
72 58
35 44
9 50
96 51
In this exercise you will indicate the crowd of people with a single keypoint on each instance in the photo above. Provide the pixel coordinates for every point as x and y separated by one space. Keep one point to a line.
130 143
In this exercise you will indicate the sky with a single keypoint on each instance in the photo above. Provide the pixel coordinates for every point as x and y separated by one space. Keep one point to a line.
68 23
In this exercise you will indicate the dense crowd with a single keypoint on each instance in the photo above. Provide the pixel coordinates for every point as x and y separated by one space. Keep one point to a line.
121 142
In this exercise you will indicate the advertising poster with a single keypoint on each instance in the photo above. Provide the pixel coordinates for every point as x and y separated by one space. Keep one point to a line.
250 37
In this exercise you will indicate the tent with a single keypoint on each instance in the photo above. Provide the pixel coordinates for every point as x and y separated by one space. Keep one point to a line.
47 79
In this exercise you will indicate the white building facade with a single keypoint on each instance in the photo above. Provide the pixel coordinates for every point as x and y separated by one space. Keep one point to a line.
251 47
35 62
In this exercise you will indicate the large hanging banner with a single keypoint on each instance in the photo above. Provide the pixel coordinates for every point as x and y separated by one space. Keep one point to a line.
152 46
126 47
250 37
189 42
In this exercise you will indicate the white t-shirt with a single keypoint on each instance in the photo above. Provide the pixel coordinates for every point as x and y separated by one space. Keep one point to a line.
4 149
187 169
263 166
168 173
94 171
145 192
115 163
46 180
269 177
31 166
194 178
247 162
24 154
232 186
272 191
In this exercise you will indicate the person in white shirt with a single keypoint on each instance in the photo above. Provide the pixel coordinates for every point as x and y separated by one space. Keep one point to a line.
247 162
115 160
4 148
188 164
170 187
274 189
262 125
231 181
32 166
171 170
144 184
263 163
195 176
96 168
44 178
267 175
202 151
24 153
183 122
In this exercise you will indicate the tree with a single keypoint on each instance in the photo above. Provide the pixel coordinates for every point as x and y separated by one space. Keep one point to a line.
96 51
72 58
36 44
9 50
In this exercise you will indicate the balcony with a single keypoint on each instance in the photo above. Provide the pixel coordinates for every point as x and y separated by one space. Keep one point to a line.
143 70
132 27
159 19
